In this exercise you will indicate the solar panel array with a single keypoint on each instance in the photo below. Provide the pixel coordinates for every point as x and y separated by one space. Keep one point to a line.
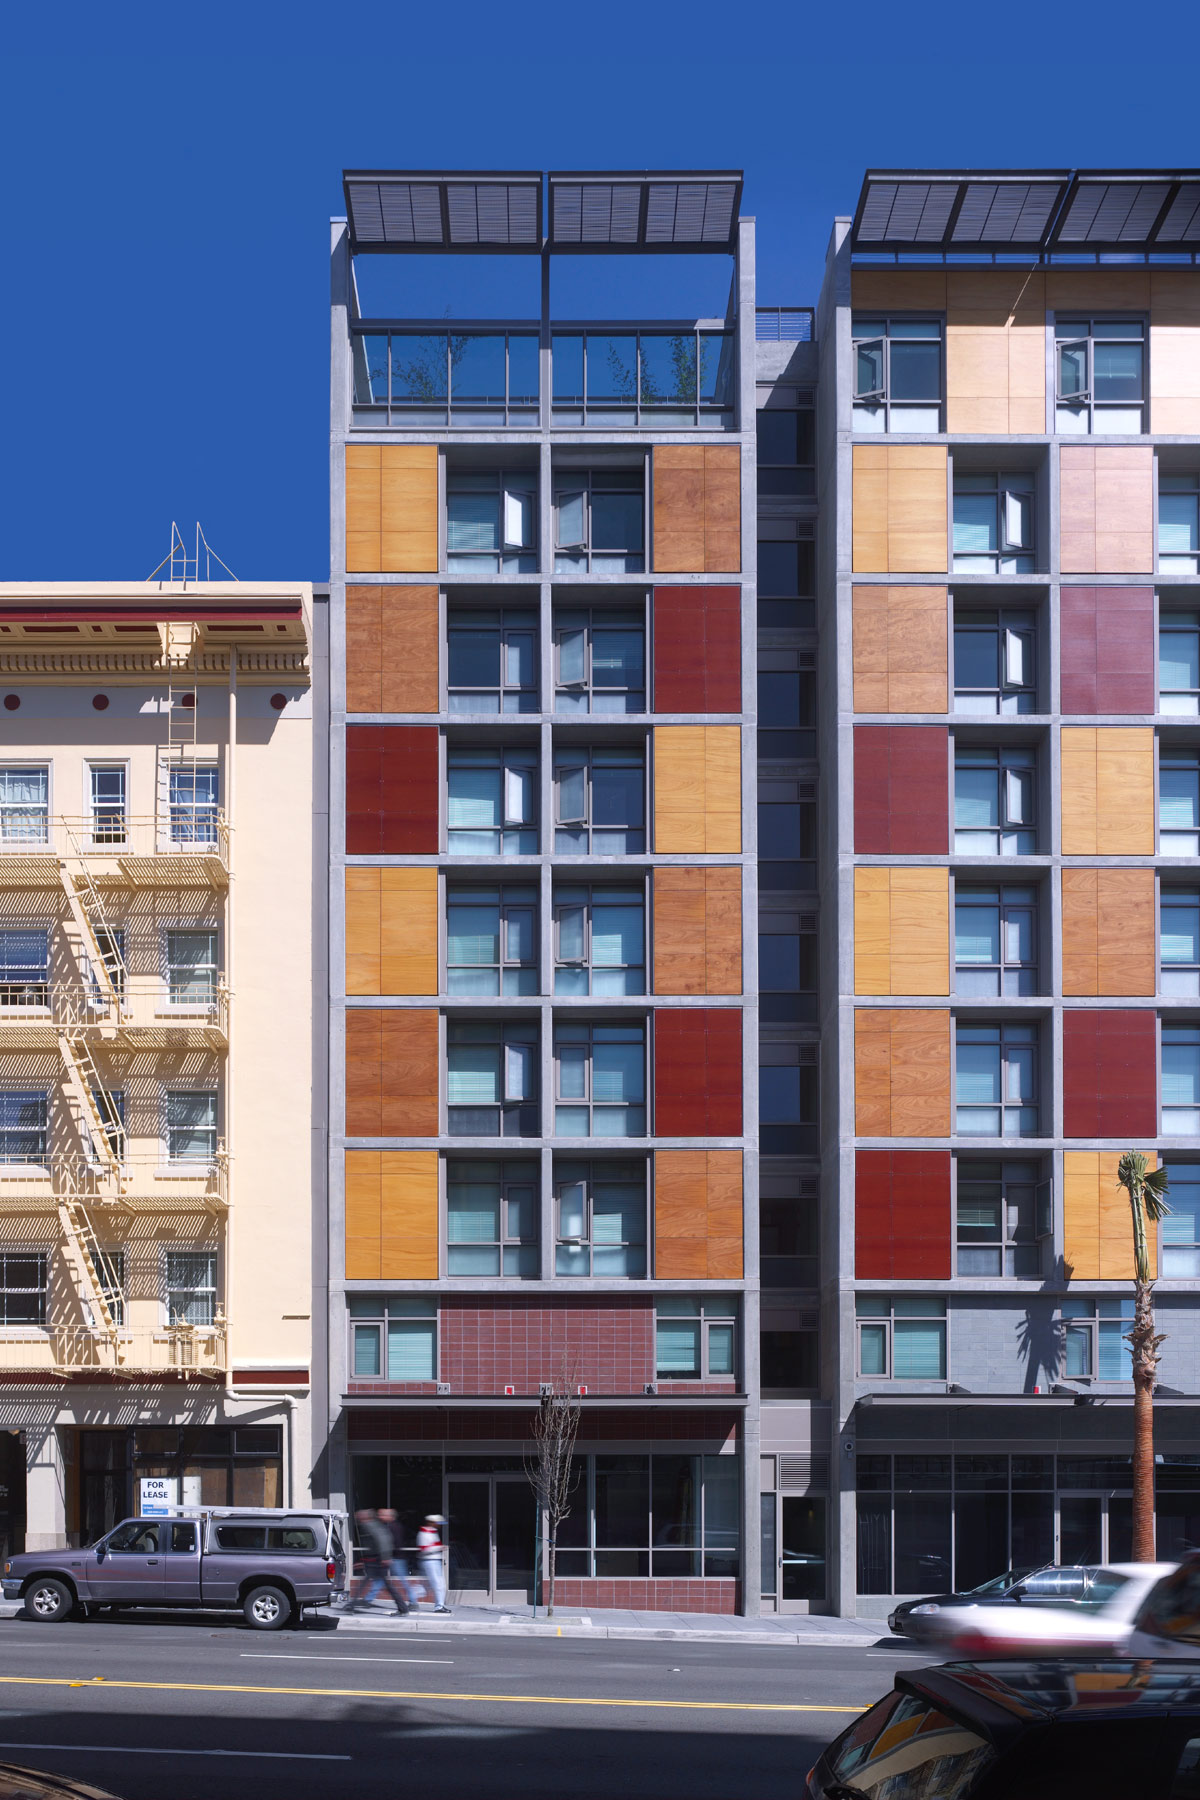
1047 209
644 213
443 212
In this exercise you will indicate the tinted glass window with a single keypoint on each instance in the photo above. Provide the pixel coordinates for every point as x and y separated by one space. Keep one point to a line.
291 1537
183 1539
135 1536
241 1537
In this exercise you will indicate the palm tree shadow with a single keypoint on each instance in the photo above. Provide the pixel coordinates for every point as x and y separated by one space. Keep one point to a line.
1041 1336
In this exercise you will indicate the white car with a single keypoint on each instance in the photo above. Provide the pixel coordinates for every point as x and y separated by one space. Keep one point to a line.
1168 1621
1117 1593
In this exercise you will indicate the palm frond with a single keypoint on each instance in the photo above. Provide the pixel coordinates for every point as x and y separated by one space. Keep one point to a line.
1154 1194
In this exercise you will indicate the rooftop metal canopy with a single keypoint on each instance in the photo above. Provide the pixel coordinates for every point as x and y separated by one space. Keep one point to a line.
645 210
1036 210
406 209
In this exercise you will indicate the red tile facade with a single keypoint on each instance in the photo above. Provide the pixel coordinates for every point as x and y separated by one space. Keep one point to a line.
1110 1073
711 1429
902 1215
1106 638
901 790
649 1595
697 650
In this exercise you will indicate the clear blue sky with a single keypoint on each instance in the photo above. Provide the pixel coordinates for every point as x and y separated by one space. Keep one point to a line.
168 172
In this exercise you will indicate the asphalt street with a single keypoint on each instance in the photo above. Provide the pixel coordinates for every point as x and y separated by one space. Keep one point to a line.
202 1708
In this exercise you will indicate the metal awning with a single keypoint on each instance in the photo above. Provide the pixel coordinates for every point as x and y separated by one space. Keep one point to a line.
1036 210
1131 209
647 210
401 209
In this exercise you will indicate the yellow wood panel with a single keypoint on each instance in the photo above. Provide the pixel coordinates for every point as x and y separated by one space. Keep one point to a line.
363 477
726 1230
1078 781
1124 931
1077 509
1097 290
1124 790
722 508
408 507
920 1073
872 1072
679 931
917 653
1081 1214
723 931
1124 509
870 510
408 934
680 1215
722 789
871 650
362 931
1080 973
920 931
679 787
409 1215
363 1199
872 931
916 508
677 479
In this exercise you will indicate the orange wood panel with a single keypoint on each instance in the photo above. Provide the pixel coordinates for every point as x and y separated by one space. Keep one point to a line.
900 649
698 1227
677 475
409 1215
722 508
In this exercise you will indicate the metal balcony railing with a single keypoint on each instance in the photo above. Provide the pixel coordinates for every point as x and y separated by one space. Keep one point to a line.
147 1010
188 844
184 1350
784 324
29 1174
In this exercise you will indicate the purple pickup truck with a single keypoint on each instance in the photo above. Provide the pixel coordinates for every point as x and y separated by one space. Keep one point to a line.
269 1564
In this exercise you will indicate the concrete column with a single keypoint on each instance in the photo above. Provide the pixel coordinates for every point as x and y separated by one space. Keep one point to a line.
45 1489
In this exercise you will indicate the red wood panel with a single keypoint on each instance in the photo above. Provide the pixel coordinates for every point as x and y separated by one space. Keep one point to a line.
697 650
1107 639
902 1215
1110 1074
698 1072
391 790
901 790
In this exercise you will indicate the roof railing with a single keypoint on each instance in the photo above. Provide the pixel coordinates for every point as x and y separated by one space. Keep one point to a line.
784 324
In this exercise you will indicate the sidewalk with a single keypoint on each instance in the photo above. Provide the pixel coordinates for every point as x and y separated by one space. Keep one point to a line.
571 1622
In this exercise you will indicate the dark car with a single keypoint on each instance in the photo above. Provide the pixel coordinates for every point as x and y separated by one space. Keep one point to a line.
1111 1729
1046 1586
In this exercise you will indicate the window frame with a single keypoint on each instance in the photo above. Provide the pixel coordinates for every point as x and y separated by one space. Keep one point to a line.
503 757
1005 757
581 557
518 1029
1169 897
175 973
568 618
517 1256
1184 1033
107 819
29 983
719 1312
507 623
1173 622
39 1254
408 1317
208 1291
796 478
508 556
571 757
1009 557
586 1034
569 1171
636 408
1006 622
1008 1028
1175 1164
1088 1326
439 409
169 1126
1085 403
564 896
881 1311
192 818
508 898
1174 842
1174 562
1008 903
35 829
881 397
1008 1242
40 1157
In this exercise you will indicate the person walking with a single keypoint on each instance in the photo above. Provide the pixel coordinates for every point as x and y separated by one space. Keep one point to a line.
430 1554
377 1558
389 1518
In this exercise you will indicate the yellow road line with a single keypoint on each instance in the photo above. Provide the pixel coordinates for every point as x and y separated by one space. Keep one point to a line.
335 1693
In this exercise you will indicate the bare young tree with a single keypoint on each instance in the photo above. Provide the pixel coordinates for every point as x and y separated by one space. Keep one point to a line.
1147 1190
549 1459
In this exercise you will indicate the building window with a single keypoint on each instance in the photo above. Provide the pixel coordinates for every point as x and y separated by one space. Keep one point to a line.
492 661
993 523
600 801
995 801
23 1125
897 374
393 1338
1179 663
492 941
1179 940
788 1350
787 705
786 579
995 670
1000 1515
192 1125
1179 803
600 1080
24 805
492 1079
1094 1346
786 446
1178 524
599 521
671 1516
191 967
1101 375
107 793
492 1218
995 940
600 1218
191 1285
599 941
787 828
492 802
787 966
23 1284
110 1271
1179 1232
788 1091
658 378
192 798
787 1226
901 1339
694 1339
24 966
996 1080
438 378
599 661
1180 1081
999 1204
491 522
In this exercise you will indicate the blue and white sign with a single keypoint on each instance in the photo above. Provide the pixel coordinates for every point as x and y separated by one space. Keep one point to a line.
158 1494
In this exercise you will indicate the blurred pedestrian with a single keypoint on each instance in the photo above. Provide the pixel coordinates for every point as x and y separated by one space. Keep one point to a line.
377 1557
430 1555
389 1518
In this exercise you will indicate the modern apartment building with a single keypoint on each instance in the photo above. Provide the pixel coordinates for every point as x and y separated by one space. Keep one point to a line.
155 1048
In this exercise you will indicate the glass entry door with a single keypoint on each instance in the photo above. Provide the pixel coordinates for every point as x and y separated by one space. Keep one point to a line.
803 1563
492 1524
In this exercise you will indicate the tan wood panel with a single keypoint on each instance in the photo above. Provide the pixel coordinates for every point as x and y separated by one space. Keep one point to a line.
870 650
680 1215
872 1072
1097 290
677 475
1125 961
1077 775
364 1074
363 967
722 789
872 931
1081 1214
409 1215
920 1073
1124 790
722 508
679 789
1124 509
679 931
409 649
363 488
409 507
408 931
723 931
1077 509
916 508
409 1056
1116 1223
725 1224
869 532
917 650
903 290
920 931
1080 970
364 641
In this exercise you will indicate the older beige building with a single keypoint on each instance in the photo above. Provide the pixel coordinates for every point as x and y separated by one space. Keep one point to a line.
156 800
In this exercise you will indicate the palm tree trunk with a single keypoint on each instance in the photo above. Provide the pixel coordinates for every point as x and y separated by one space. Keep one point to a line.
1145 1360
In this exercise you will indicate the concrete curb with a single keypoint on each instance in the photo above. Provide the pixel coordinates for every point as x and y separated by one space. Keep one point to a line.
574 1628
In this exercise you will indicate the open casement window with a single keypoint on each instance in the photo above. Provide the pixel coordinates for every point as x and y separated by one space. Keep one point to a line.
492 660
600 801
897 374
995 669
599 941
1094 1346
995 940
600 1080
599 661
492 802
1179 663
999 1214
600 521
1178 524
1179 803
695 1339
492 1213
600 1220
1101 366
994 523
996 1080
24 805
995 801
392 1338
491 522
491 941
1179 941
191 1287
901 1339
491 1079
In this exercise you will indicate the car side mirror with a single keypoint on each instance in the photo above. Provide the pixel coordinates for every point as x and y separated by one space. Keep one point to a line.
100 1554
1019 1592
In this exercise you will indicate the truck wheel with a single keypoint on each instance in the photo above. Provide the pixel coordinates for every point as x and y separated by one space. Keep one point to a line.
266 1609
49 1601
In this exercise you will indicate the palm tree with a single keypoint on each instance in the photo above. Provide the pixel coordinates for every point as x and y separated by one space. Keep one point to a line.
1147 1190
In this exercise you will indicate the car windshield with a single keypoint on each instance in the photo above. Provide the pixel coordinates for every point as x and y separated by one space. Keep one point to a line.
1000 1584
1102 1588
904 1745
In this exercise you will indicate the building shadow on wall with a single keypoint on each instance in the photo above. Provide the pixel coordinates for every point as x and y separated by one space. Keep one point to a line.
1041 1337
